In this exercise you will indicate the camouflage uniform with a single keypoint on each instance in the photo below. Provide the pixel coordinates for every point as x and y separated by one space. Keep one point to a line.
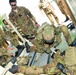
13 38
41 46
70 60
49 69
50 32
23 21
49 10
2 37
3 51
10 36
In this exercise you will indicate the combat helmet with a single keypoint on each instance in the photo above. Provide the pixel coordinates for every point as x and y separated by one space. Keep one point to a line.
70 58
46 32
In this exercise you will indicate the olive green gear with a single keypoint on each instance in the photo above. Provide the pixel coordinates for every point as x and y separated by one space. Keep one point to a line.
70 58
42 26
2 37
48 33
45 30
23 60
67 36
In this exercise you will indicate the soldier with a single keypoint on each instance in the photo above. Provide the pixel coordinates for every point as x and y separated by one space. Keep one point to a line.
10 36
2 37
49 36
22 18
4 55
49 69
62 64
70 62
49 10
62 8
7 27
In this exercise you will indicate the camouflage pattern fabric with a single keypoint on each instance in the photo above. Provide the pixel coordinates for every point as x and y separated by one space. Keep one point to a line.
14 39
4 56
38 42
10 36
22 21
44 30
70 58
49 69
50 33
66 33
2 37
3 51
40 46
30 70
22 60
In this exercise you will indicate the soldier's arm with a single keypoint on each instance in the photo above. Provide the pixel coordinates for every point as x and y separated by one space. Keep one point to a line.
30 16
12 19
66 33
57 34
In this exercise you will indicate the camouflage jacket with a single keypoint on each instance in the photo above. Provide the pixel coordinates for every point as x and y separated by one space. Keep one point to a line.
2 37
49 69
23 20
4 56
41 46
